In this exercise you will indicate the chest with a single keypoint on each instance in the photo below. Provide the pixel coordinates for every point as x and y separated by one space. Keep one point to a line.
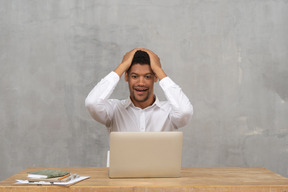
134 119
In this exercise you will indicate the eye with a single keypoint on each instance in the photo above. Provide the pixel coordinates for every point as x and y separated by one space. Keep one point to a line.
148 76
133 76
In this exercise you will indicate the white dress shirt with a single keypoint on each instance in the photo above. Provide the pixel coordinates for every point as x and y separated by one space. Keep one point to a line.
122 115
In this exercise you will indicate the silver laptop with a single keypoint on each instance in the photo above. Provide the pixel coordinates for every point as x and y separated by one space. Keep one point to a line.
145 154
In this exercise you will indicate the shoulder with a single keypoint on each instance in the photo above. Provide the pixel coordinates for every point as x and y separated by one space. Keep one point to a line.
165 105
118 102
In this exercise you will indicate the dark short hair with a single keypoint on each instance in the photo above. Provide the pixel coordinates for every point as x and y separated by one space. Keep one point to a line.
140 57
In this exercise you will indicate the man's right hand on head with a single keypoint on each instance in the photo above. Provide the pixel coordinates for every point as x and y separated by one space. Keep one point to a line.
126 62
128 57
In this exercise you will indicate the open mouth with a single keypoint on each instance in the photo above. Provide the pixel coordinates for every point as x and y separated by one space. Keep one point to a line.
140 89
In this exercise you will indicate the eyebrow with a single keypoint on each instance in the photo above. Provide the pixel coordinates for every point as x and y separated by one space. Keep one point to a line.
133 73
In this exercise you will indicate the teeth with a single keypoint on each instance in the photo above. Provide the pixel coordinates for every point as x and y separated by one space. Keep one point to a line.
140 89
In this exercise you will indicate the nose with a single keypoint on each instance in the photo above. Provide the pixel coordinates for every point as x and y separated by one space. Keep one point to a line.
141 80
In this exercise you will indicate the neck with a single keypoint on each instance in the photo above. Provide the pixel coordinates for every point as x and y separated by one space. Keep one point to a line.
143 104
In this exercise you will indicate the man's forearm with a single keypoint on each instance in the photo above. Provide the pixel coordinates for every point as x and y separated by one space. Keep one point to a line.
120 70
160 73
126 63
103 89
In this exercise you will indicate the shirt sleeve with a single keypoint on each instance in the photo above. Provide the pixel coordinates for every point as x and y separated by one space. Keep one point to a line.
182 109
97 100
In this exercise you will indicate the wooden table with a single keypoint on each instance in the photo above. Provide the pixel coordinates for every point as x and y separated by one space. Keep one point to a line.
192 179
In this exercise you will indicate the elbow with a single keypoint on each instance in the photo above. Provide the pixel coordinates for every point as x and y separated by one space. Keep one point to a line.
188 111
185 117
97 110
188 114
191 110
90 105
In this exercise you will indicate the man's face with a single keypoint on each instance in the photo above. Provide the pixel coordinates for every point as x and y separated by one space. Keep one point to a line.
141 83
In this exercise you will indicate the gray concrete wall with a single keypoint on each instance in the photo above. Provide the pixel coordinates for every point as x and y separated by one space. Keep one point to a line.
230 57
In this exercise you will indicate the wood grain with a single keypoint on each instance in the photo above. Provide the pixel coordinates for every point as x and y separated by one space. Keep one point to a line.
192 179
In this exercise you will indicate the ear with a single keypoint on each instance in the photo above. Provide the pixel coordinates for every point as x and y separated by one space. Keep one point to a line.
126 76
155 78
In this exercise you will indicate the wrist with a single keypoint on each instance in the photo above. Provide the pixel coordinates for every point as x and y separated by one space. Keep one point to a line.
160 73
120 69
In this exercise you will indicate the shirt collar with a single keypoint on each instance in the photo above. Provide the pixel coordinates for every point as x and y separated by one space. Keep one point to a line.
128 102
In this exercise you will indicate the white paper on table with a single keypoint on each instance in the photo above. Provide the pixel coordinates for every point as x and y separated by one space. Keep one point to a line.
72 181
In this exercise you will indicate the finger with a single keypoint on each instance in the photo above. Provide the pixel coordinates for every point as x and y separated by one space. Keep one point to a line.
146 50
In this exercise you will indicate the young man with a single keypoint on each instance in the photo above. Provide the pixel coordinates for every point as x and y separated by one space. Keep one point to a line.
142 111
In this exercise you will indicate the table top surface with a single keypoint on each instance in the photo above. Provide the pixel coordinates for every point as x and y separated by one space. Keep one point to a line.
189 176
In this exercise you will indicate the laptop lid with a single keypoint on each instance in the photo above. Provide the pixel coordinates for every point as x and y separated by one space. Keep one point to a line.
145 154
